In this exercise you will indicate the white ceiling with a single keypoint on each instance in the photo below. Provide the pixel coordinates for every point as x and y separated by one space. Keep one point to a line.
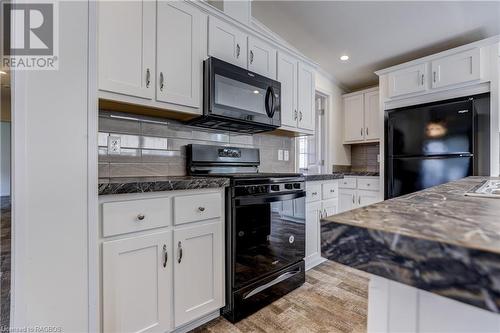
375 34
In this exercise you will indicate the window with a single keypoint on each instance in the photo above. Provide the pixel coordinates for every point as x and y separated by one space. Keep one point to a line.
310 149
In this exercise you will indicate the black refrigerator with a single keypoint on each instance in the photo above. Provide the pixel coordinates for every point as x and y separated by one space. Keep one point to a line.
432 144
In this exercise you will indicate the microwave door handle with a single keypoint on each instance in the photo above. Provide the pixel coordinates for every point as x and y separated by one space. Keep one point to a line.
270 108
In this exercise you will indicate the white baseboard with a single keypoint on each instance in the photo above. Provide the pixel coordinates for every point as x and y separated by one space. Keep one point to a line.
314 261
197 323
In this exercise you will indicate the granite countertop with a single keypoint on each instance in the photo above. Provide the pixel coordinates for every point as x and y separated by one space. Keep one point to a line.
362 173
323 176
157 184
437 239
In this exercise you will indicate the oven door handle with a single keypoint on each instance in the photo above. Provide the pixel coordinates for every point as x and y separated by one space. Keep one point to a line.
256 200
271 283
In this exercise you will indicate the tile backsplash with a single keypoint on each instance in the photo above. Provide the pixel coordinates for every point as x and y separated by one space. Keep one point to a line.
364 157
156 147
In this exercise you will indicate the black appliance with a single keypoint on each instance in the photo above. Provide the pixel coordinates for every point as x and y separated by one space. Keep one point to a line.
235 99
431 144
265 227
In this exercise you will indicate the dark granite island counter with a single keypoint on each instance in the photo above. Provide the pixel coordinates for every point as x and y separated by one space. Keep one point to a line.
437 240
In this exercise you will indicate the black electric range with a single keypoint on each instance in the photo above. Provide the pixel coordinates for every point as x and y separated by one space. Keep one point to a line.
265 227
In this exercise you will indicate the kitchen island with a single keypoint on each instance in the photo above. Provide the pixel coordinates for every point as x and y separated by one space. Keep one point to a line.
428 243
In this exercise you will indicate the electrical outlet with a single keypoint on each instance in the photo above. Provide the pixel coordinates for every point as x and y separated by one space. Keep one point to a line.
280 155
114 145
286 155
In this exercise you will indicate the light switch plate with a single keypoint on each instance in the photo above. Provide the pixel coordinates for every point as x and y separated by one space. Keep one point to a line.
286 155
280 154
114 145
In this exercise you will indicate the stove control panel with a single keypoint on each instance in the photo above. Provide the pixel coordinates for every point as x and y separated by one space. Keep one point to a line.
268 188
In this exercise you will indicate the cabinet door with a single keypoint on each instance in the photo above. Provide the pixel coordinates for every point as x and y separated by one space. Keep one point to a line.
126 47
372 117
353 117
307 89
137 284
261 58
408 80
287 76
180 53
458 68
313 229
347 200
366 198
329 207
227 43
198 271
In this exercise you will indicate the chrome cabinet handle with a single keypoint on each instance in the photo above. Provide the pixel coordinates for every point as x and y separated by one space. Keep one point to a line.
434 76
251 56
166 255
295 113
141 217
326 213
422 79
179 252
332 191
237 51
366 131
300 115
314 193
359 200
162 81
148 78
361 131
353 200
201 209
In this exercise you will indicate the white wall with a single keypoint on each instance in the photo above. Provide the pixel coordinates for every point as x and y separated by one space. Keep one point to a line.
4 158
337 153
50 184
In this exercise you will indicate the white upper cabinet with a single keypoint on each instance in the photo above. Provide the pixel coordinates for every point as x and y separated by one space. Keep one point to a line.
261 57
137 284
458 68
354 117
361 116
372 115
306 94
408 80
126 47
198 271
180 53
287 76
227 43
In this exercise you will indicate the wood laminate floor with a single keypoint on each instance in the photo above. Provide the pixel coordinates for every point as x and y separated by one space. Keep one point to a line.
333 299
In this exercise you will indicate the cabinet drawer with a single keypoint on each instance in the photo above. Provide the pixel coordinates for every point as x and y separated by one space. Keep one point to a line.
191 208
330 190
130 216
313 192
348 182
369 184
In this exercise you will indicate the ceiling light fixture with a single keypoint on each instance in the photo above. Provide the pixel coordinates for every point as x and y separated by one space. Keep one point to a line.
255 91
344 57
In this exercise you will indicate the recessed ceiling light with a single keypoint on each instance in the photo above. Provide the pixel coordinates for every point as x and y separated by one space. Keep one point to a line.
344 57
255 91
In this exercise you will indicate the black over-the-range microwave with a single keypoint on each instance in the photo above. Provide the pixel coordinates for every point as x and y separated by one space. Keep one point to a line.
238 100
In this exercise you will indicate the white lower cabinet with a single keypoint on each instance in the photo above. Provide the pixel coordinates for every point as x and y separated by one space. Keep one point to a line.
137 284
198 271
162 279
356 192
321 201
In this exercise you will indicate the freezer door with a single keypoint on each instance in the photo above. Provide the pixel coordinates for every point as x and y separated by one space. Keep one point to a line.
431 130
408 175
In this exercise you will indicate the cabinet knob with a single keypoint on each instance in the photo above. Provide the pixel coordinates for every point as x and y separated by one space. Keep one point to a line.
201 209
141 217
165 260
162 81
314 193
148 78
332 191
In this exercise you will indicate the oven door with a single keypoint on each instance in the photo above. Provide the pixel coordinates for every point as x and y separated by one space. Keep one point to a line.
235 93
269 234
